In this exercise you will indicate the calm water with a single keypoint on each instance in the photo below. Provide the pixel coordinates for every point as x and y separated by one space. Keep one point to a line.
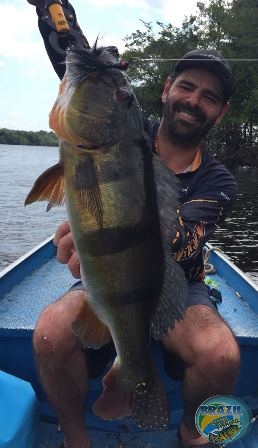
21 228
238 237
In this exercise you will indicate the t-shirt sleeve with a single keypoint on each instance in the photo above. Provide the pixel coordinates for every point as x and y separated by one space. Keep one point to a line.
202 212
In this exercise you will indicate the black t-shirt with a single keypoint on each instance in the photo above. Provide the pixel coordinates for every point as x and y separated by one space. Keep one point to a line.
208 193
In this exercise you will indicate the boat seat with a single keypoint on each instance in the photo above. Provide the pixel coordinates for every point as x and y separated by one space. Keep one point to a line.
241 318
21 307
19 312
19 413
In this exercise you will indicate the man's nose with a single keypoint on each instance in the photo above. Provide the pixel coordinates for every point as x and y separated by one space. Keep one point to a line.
194 98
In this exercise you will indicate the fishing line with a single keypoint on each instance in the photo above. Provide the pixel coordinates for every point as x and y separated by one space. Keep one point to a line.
203 60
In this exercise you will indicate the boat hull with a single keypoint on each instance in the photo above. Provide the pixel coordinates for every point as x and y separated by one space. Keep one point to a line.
37 279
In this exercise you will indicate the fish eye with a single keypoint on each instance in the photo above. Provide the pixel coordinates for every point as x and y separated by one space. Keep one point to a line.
125 95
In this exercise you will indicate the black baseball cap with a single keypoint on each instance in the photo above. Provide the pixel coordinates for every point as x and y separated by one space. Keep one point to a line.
212 60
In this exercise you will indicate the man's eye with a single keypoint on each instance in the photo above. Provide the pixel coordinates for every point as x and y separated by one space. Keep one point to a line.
210 98
185 87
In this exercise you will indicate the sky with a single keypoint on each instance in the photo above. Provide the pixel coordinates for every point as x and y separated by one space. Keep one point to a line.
28 83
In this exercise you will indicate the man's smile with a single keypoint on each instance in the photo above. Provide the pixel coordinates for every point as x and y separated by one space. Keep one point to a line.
187 116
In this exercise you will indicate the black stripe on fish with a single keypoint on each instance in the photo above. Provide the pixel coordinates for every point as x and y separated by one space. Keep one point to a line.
86 182
82 62
113 240
109 172
134 296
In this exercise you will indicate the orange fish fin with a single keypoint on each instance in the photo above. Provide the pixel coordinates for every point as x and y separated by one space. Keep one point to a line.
88 327
86 182
48 187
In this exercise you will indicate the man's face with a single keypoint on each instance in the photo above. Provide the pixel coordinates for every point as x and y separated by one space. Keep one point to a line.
193 103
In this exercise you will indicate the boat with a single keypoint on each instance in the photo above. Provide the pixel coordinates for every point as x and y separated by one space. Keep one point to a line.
27 419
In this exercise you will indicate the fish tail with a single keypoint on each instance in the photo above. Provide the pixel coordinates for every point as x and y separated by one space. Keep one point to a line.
149 405
146 403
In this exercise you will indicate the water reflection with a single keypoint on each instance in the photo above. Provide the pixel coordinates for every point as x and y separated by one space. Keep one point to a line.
238 237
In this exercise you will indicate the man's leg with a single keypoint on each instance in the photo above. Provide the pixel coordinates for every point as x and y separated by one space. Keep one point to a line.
211 354
62 366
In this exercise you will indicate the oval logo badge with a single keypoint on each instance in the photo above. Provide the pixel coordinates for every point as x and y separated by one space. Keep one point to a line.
223 419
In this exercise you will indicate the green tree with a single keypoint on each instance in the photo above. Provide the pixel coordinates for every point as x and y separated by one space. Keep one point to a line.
152 55
40 138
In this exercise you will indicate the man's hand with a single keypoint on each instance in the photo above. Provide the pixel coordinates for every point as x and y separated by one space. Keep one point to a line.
66 252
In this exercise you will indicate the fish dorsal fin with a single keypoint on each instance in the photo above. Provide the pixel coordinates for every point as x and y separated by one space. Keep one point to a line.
167 190
174 291
48 187
88 327
173 298
86 182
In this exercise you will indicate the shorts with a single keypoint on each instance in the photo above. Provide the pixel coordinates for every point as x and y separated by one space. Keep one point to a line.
97 360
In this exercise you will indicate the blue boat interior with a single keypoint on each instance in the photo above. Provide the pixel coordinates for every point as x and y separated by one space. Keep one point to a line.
38 279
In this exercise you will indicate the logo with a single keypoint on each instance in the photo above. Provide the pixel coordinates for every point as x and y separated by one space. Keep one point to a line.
223 419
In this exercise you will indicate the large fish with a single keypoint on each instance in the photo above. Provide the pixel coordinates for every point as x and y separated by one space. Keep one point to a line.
121 202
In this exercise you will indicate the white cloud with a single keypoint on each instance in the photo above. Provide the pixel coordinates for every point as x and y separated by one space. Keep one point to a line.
174 12
122 3
14 114
17 32
16 120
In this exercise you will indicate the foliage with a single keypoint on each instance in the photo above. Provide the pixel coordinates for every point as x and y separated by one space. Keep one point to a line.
40 138
227 25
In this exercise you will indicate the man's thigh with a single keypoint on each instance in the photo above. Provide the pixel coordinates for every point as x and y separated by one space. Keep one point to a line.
201 327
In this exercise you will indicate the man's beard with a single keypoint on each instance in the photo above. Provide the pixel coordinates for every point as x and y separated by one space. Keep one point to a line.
180 131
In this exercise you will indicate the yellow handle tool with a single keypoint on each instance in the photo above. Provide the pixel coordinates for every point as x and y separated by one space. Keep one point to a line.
58 18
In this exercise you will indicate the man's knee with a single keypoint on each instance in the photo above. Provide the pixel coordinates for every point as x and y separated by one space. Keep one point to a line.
204 341
53 330
217 351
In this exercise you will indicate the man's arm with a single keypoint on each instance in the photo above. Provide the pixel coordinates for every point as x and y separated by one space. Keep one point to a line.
202 213
46 28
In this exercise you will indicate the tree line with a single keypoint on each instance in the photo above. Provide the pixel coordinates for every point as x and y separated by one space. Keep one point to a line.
229 26
40 138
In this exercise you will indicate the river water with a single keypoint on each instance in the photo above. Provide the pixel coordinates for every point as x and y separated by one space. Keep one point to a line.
21 228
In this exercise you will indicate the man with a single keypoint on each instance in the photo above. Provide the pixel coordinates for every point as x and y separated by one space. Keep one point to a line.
195 97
